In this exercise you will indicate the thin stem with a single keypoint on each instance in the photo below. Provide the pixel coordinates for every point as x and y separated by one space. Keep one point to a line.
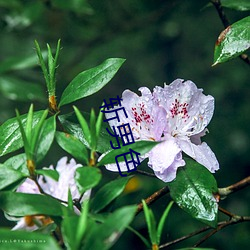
226 23
152 198
235 220
223 192
224 211
145 173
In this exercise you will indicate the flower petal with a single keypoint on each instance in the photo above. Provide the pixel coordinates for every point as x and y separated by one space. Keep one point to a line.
165 158
29 187
201 153
189 110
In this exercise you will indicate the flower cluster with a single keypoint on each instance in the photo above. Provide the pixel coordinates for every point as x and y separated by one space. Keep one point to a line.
176 115
58 189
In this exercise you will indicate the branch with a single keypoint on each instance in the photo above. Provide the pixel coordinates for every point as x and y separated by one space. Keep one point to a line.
152 198
226 23
145 173
235 220
223 192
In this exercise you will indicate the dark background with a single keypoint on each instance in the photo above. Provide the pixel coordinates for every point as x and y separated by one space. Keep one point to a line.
161 41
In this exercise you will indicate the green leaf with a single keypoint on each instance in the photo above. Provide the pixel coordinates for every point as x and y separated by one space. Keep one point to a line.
233 41
162 221
73 146
105 235
18 162
92 126
108 193
10 136
241 5
20 204
46 137
141 147
19 90
53 174
151 223
74 228
84 125
69 230
87 177
70 123
193 191
16 240
90 81
8 176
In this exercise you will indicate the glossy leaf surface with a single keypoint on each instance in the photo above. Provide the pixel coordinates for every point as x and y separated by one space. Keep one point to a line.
10 136
193 191
90 81
233 41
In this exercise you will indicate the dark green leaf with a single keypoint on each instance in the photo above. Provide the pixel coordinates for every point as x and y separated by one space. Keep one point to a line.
20 90
70 124
141 147
106 234
108 193
90 81
73 146
162 221
87 177
18 162
10 136
193 191
20 204
241 5
8 176
69 230
233 41
46 137
16 240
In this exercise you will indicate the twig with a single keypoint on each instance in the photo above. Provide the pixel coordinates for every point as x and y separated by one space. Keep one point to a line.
226 23
223 192
145 173
235 220
152 198
224 211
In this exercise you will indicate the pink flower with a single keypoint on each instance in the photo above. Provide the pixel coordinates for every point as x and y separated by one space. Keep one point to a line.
177 115
58 189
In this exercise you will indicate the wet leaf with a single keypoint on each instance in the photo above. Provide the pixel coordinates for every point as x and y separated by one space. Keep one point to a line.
10 135
193 191
90 81
233 41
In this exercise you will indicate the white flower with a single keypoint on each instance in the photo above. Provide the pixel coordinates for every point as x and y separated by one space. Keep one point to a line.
58 189
177 115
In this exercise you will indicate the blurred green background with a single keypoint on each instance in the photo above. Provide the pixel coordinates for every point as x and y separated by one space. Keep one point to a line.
161 41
